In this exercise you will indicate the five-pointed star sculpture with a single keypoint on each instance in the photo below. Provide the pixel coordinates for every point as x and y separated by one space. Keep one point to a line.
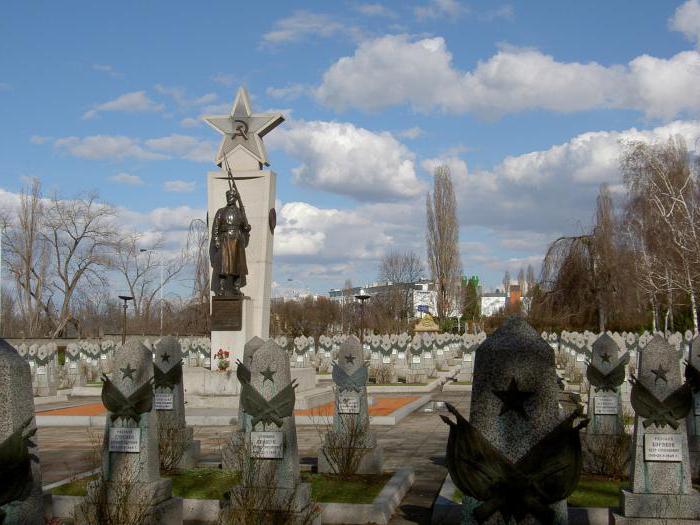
128 372
660 373
513 399
350 359
605 357
165 357
267 374
244 129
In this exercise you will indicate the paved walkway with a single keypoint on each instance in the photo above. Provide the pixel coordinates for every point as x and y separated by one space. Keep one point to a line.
418 441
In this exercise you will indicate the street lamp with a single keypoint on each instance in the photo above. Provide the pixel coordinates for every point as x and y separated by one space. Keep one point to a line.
160 263
362 297
126 299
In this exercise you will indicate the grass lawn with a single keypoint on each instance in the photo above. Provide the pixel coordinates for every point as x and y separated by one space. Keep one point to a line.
597 492
326 488
196 483
211 483
591 491
396 384
461 383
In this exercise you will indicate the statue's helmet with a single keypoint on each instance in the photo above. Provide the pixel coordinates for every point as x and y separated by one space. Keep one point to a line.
231 194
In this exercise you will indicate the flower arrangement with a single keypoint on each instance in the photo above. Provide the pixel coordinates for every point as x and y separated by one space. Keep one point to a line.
223 360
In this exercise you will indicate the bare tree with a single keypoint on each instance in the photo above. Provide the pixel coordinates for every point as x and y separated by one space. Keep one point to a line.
506 282
402 270
442 239
140 266
662 177
78 232
197 250
27 259
530 279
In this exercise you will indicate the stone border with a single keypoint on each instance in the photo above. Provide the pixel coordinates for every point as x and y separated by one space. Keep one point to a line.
447 511
407 389
448 387
60 397
392 419
379 511
207 510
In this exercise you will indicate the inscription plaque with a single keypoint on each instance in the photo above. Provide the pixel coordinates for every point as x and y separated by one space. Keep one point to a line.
348 404
267 445
226 314
606 405
663 447
124 439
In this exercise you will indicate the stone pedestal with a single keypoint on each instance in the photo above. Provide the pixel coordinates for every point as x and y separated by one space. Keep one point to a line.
17 421
234 341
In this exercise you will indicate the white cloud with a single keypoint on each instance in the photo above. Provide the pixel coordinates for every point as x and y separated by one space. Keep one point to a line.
179 186
420 73
551 191
105 147
289 92
106 68
127 178
375 10
118 147
135 102
39 139
225 79
411 133
190 122
183 146
348 160
179 95
451 9
303 24
686 20
504 12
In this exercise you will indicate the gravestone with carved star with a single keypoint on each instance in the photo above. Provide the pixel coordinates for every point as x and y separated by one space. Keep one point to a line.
269 461
692 374
20 489
350 444
169 402
130 454
514 409
661 480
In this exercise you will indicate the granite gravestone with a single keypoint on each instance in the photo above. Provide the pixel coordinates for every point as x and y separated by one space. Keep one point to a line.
350 447
230 451
661 482
130 457
269 461
606 374
20 489
169 402
692 374
515 457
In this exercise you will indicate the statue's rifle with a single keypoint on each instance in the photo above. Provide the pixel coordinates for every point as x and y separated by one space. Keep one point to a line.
232 185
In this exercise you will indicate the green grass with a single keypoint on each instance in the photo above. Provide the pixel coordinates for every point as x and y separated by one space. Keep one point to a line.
590 492
461 383
203 483
397 384
597 492
327 488
74 488
94 383
196 483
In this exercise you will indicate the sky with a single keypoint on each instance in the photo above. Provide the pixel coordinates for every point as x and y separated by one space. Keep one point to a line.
526 102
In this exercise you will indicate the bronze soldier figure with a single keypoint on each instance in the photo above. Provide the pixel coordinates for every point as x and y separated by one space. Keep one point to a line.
230 235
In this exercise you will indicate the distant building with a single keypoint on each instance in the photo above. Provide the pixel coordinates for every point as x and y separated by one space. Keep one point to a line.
492 302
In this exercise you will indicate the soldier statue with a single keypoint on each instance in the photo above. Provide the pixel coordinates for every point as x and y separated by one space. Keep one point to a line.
230 234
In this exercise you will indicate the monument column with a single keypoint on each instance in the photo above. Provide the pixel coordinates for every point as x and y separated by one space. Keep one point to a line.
240 305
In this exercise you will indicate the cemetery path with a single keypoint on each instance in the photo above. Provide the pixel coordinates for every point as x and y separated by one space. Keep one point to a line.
418 441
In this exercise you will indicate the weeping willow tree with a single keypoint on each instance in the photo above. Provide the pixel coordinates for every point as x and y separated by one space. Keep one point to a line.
584 277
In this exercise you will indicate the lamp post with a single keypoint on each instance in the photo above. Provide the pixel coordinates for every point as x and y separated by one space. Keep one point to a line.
126 299
362 297
160 263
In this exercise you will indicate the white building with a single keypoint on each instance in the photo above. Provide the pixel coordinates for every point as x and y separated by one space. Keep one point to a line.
491 303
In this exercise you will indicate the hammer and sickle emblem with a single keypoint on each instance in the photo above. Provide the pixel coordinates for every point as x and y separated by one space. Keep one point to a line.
241 129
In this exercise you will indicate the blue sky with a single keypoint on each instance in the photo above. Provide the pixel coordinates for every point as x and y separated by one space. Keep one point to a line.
525 101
